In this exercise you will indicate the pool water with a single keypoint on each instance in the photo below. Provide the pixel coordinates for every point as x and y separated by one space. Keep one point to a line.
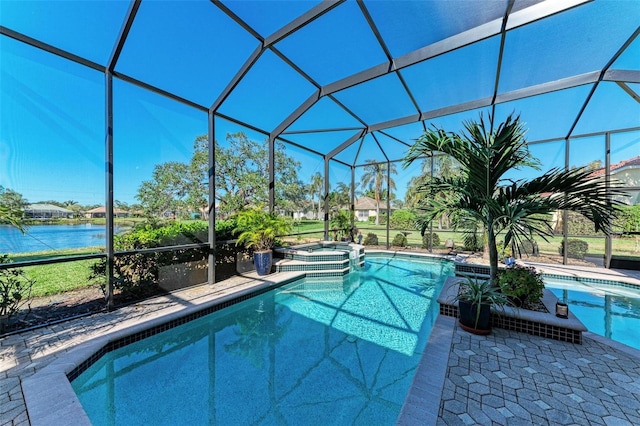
310 352
610 310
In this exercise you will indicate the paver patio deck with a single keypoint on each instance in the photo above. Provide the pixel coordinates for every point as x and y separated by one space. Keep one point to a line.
505 378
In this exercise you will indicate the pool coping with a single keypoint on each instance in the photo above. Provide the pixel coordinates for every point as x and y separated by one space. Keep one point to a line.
545 324
50 398
45 392
48 394
422 404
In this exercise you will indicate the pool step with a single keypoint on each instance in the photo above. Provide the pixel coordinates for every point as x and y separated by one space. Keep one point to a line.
315 269
318 264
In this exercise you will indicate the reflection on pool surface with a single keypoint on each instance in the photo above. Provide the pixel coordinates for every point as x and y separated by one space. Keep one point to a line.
612 311
310 352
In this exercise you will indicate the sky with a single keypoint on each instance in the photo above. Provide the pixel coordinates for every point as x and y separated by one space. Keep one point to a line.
52 137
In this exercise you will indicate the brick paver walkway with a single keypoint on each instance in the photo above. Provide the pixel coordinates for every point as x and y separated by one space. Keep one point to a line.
514 378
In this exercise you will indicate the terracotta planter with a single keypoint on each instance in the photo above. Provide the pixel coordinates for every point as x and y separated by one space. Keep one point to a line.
262 261
467 318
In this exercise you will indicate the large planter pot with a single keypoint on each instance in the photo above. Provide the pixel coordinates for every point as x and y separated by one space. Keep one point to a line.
467 318
262 260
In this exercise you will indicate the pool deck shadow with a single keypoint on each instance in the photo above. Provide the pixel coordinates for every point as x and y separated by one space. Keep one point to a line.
504 378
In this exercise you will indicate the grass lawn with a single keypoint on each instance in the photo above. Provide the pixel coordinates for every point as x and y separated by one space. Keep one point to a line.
58 277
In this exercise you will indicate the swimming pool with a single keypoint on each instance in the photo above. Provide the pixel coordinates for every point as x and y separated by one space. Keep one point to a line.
313 351
609 309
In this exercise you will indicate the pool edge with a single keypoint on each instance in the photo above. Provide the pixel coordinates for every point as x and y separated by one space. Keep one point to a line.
422 403
48 394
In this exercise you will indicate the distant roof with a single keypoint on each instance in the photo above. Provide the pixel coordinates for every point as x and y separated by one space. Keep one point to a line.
46 207
103 209
368 203
635 161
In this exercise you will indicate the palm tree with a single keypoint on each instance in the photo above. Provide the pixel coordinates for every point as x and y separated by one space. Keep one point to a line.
343 195
72 205
375 177
316 187
481 194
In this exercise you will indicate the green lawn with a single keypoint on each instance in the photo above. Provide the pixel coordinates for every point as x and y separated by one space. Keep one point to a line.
59 277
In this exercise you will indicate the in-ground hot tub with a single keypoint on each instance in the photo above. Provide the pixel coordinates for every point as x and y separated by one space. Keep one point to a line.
324 258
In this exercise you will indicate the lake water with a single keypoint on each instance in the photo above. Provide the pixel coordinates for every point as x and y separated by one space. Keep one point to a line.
51 237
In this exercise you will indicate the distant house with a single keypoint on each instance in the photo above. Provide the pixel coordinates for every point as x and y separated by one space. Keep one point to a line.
626 172
101 212
365 207
309 214
47 211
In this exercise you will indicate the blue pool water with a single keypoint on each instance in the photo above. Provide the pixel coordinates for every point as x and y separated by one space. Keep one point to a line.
310 352
611 310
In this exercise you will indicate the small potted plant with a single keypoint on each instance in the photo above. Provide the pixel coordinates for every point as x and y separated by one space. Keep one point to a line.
521 285
475 299
258 231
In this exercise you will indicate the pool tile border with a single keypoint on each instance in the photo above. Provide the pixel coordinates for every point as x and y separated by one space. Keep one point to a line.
610 283
544 324
55 378
167 325
46 403
48 394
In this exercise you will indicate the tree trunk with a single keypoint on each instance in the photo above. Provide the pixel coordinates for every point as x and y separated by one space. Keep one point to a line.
493 251
485 248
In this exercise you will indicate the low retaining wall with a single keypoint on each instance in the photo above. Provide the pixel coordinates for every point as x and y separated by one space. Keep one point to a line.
544 324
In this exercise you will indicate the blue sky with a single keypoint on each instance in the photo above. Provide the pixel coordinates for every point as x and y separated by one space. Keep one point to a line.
52 127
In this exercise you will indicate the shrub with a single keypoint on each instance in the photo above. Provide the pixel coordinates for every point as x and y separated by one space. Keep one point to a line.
371 239
472 242
529 248
137 274
402 219
576 249
151 234
435 240
15 291
383 218
224 229
521 284
628 219
341 224
400 240
579 225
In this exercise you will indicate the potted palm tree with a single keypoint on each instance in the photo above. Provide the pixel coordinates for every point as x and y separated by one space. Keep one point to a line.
514 208
475 300
258 231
